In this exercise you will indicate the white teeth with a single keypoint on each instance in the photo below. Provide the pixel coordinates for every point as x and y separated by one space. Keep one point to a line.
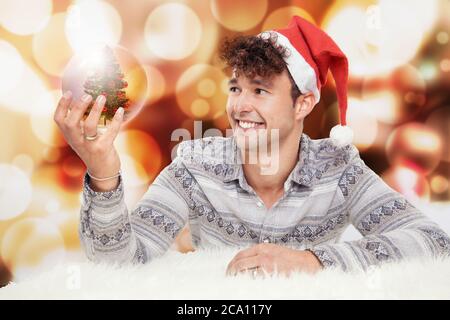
247 125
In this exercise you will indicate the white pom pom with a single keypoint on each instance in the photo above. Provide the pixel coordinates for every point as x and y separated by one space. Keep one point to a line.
341 135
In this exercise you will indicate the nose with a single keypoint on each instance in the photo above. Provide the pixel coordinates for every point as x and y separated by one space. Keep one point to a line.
243 103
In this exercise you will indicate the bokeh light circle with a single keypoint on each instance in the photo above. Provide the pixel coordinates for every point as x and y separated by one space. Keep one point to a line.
36 91
199 94
428 69
140 156
52 36
359 118
24 162
439 184
409 181
442 37
156 84
69 229
24 17
279 18
15 191
51 155
172 27
378 40
172 31
383 105
439 120
396 97
200 108
206 88
42 123
72 167
414 145
91 22
31 246
365 126
239 15
11 64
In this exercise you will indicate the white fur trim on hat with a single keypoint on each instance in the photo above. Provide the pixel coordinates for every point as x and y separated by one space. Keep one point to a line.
341 135
302 73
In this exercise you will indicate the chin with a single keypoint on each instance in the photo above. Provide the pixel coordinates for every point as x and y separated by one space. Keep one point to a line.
252 140
246 143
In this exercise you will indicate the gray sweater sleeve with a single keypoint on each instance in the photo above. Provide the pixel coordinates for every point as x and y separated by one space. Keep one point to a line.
392 228
108 232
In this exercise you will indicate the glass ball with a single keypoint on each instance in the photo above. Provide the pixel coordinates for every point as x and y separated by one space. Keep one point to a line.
111 71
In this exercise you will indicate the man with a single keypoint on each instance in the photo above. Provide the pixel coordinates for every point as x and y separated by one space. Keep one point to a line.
287 209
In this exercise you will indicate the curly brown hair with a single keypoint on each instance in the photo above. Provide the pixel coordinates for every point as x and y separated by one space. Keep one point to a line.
256 56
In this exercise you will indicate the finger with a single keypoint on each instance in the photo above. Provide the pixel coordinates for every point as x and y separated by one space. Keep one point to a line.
263 269
78 110
244 265
237 264
114 127
63 106
91 122
252 251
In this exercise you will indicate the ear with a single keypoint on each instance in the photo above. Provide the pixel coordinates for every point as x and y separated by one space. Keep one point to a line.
304 105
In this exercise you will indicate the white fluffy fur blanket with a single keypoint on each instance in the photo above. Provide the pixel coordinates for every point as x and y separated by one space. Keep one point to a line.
201 275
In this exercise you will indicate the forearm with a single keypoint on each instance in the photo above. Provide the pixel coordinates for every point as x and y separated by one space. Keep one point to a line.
422 239
109 233
105 229
392 228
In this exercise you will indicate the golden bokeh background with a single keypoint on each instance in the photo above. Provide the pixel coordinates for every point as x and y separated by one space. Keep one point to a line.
399 99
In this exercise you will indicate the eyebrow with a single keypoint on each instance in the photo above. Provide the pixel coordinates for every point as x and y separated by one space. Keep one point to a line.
264 83
232 81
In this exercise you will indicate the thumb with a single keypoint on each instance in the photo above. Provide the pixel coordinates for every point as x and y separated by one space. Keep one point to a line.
114 127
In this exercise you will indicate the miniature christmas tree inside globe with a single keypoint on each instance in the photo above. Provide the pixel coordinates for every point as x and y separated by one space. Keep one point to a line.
109 71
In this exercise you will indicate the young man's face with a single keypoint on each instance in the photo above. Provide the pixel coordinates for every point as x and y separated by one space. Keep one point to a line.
258 107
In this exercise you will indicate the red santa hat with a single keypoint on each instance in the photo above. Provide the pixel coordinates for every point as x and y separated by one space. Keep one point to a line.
312 54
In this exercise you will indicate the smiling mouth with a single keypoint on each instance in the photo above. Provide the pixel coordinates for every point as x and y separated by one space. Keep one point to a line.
250 125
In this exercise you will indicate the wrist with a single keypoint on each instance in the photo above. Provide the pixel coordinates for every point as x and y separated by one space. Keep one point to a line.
96 178
314 264
104 186
104 171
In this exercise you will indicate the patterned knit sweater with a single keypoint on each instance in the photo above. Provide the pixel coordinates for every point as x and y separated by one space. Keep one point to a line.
205 187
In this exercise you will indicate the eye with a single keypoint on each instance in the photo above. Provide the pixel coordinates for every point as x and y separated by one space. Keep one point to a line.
260 91
233 89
